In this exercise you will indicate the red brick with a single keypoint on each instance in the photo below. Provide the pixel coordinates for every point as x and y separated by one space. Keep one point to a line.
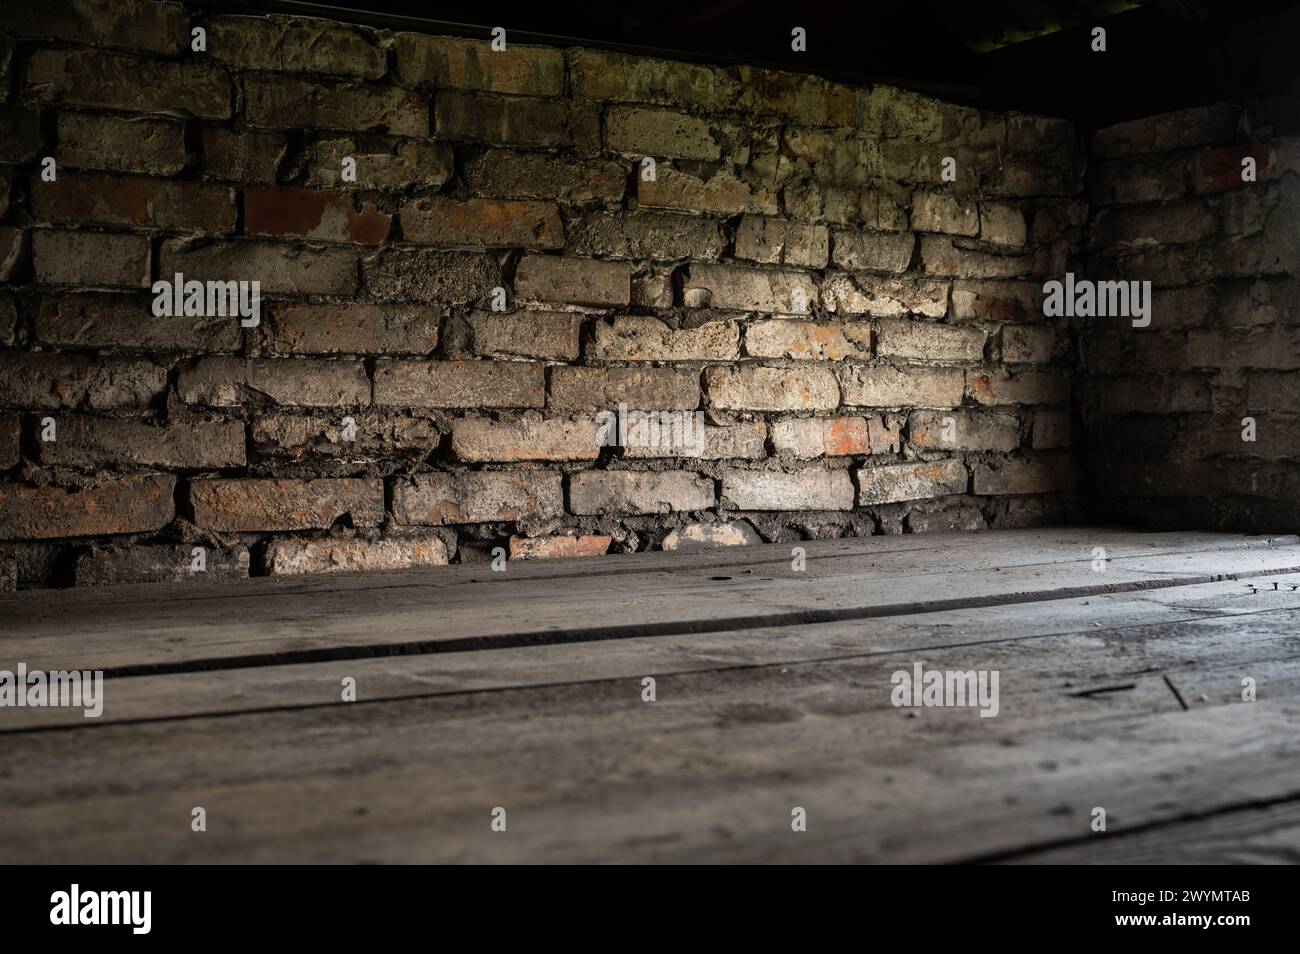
482 223
558 547
250 505
291 556
136 200
811 437
459 384
315 215
128 505
93 78
1218 169
349 328
477 497
90 258
475 439
576 281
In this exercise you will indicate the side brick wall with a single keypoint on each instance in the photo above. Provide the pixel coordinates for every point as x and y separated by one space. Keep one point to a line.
862 338
1194 421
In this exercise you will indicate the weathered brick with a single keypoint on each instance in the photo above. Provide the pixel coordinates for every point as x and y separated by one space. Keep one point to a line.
944 212
248 156
375 435
248 505
127 322
942 256
859 293
429 276
1018 476
290 556
235 382
477 439
648 389
283 102
1218 169
314 215
755 388
11 432
452 63
814 201
749 289
810 437
93 78
925 340
143 202
90 258
807 100
160 563
634 492
1265 347
1156 179
620 78
295 44
1028 387
881 251
1150 394
743 441
1171 224
549 278
543 335
895 483
646 235
782 242
1028 344
703 536
349 328
995 301
722 193
459 384
886 436
636 131
509 174
815 340
808 489
280 268
886 386
13 253
1203 125
960 429
1051 430
20 134
477 497
482 223
95 441
52 380
91 141
635 338
8 320
127 505
390 165
558 547
1002 224
512 121
128 24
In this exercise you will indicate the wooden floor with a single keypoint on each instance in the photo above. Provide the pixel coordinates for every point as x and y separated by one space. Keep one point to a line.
522 689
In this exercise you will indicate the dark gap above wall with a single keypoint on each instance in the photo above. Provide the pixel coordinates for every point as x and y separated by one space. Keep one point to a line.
1032 55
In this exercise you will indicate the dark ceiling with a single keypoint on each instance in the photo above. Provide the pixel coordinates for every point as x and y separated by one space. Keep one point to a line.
1027 54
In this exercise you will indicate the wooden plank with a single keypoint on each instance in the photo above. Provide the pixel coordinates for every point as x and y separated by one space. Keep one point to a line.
1254 835
708 772
216 629
286 686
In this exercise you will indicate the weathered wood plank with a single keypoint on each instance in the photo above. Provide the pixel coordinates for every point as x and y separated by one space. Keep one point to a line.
220 630
708 772
272 687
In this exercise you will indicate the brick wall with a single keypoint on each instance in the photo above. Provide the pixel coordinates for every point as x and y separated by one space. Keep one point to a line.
1166 406
862 337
